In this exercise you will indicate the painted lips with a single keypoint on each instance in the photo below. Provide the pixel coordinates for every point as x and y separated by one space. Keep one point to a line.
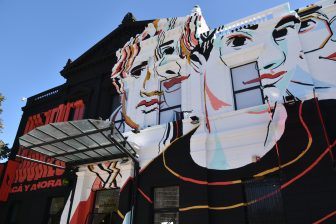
332 57
148 103
265 76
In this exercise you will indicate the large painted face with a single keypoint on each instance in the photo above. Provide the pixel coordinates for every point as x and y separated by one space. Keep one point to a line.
161 87
150 80
319 45
277 61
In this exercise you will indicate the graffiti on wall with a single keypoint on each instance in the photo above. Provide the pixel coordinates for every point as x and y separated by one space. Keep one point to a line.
106 173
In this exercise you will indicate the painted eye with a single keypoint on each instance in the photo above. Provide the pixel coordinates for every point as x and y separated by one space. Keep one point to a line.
237 40
279 34
307 25
136 71
168 50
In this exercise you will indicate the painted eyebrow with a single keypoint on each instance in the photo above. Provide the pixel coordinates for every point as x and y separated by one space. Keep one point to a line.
167 43
253 27
240 31
287 19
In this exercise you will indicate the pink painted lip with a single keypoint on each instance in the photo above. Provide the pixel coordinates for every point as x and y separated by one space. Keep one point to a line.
148 103
265 76
332 56
173 81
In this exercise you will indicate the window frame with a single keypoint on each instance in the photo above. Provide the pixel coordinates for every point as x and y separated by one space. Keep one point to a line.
169 108
252 213
92 214
57 216
168 209
235 92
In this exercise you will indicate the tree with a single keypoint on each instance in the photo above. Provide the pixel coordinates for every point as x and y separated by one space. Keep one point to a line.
4 150
2 98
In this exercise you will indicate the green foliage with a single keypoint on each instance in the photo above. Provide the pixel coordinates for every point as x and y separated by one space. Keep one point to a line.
4 150
2 98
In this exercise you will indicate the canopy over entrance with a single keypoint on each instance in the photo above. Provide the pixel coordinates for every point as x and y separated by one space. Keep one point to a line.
79 142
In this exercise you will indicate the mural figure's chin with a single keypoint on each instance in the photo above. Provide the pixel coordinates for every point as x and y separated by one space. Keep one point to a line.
227 155
273 94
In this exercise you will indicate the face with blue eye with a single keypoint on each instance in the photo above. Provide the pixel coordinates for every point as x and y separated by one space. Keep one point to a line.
317 33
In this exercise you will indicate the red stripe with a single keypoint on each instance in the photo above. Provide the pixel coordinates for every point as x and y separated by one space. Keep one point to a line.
323 126
325 218
202 182
309 167
145 196
126 182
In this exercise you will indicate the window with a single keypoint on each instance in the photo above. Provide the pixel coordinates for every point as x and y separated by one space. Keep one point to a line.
166 205
170 107
246 86
55 210
106 203
117 117
14 213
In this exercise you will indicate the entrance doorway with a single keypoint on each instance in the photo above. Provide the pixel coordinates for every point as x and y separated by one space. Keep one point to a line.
106 203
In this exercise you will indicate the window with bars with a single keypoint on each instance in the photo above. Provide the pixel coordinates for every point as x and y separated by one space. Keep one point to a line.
56 209
170 106
268 210
246 86
106 202
166 205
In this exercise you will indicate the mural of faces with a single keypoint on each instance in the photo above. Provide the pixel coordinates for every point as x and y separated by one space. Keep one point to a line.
277 66
159 74
318 37
282 69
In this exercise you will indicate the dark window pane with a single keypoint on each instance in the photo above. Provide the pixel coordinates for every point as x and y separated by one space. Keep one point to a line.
166 218
105 204
166 197
106 201
56 209
268 210
14 213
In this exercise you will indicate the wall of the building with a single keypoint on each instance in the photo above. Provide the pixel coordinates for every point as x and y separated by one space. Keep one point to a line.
214 161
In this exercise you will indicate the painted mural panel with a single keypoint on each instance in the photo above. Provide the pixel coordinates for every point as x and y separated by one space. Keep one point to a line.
91 178
287 59
317 33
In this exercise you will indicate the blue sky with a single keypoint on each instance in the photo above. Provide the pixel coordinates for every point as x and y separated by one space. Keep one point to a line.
38 36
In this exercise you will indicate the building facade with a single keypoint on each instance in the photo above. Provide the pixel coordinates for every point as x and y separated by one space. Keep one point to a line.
230 125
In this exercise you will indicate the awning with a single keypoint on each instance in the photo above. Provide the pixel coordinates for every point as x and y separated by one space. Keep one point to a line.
79 142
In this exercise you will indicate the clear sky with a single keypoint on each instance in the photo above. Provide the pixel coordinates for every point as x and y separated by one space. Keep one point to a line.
38 36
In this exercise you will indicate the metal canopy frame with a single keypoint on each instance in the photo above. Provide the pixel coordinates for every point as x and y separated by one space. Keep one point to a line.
79 142
70 142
